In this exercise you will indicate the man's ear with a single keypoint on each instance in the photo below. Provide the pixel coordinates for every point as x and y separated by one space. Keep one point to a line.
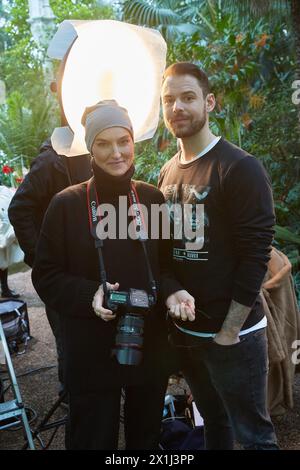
210 102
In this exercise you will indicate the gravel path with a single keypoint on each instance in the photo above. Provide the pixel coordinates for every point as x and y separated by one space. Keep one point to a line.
39 389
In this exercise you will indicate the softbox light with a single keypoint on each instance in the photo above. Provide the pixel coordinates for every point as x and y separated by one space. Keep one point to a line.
107 59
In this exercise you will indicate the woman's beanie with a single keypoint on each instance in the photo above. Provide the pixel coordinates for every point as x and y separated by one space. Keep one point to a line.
101 116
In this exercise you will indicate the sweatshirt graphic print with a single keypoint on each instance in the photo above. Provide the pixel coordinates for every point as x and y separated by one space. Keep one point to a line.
188 220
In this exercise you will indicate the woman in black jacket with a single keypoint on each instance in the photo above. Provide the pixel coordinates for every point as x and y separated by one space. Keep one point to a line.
66 275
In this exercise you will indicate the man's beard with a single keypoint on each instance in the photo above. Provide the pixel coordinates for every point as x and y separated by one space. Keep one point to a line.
188 130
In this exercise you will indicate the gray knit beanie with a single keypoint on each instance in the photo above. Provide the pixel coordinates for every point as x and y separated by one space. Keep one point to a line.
101 116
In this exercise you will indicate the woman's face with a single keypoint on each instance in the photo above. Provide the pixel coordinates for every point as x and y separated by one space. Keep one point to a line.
113 150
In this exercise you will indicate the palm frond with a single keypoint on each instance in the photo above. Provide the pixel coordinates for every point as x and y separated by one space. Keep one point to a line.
286 235
257 8
141 12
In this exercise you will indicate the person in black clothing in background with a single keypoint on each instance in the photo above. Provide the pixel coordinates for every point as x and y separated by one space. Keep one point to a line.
5 289
49 174
223 346
66 276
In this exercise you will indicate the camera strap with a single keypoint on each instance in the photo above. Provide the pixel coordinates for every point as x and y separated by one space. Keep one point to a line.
94 218
93 204
141 233
137 214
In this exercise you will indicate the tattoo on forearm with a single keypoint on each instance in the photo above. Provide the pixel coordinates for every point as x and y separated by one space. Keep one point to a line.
236 317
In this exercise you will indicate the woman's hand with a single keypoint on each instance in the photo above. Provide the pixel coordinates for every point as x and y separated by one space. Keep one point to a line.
98 300
181 305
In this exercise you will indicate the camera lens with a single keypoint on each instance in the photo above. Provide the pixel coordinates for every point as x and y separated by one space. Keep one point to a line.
129 339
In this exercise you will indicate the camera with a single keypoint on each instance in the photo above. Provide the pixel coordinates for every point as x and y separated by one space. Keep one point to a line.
132 306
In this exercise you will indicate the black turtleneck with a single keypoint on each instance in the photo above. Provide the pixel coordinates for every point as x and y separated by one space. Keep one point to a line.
109 185
66 276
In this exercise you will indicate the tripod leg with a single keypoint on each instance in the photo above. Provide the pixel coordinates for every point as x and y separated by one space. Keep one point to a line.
27 430
18 400
41 427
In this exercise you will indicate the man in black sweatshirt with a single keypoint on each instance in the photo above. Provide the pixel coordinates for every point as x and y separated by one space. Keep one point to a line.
221 246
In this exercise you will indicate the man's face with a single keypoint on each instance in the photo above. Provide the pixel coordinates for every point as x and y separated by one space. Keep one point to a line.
184 107
113 150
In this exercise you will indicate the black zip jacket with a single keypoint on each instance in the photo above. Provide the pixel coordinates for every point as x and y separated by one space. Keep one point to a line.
47 176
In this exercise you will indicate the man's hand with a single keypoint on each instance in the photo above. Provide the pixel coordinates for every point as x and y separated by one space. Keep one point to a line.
98 300
226 340
181 305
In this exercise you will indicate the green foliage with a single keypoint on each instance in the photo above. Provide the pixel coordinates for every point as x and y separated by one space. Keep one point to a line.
279 150
149 160
80 9
20 63
147 14
23 128
163 16
284 234
25 77
257 8
16 25
3 35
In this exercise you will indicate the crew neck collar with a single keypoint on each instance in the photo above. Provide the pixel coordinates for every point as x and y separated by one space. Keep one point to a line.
209 147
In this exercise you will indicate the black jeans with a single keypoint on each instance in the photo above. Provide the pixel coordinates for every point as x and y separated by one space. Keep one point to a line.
94 418
229 385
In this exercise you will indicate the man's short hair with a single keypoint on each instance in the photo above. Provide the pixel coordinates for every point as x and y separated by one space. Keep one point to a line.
188 68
